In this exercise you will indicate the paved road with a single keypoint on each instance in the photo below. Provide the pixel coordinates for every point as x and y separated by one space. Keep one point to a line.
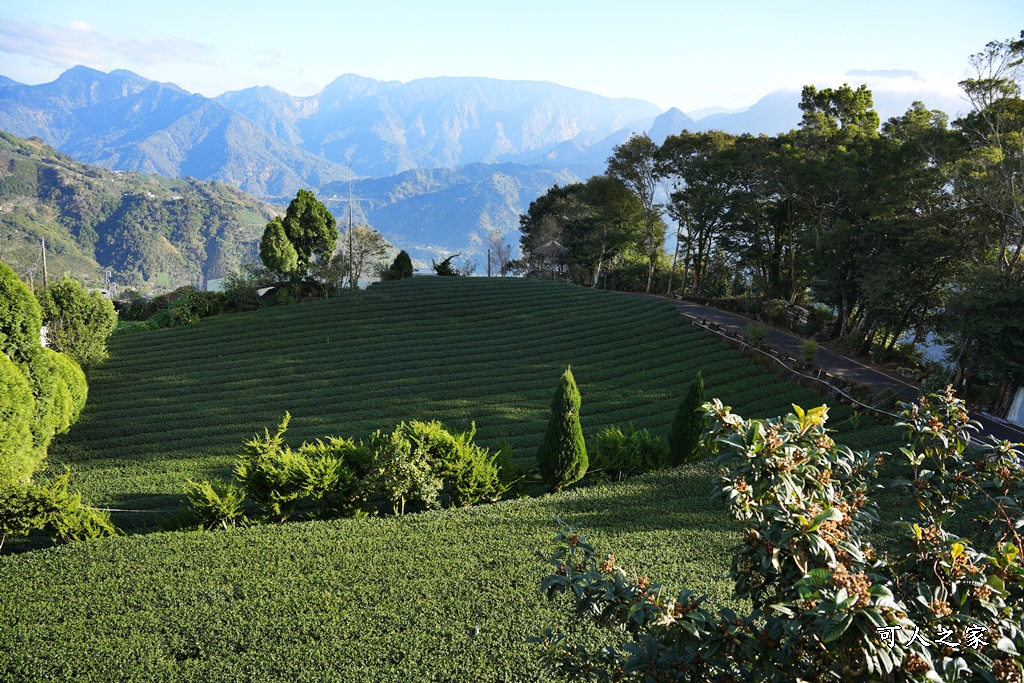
834 364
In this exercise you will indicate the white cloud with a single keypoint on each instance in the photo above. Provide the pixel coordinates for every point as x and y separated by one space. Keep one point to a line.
80 44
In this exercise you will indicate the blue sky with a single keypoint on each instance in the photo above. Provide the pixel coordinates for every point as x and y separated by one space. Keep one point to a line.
685 54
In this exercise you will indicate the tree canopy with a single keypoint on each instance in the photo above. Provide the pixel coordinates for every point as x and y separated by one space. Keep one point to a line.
307 233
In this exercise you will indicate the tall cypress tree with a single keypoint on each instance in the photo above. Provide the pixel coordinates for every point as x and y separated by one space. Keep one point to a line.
689 423
562 455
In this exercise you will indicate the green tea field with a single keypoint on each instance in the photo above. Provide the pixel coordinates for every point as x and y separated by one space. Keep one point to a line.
177 403
447 595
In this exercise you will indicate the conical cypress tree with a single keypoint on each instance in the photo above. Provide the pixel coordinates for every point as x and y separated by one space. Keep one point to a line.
402 265
689 423
562 455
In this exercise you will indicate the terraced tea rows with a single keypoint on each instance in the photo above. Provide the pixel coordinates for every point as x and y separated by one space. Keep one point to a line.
176 403
448 595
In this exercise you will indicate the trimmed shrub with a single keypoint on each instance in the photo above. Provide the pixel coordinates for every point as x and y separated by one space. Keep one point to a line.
272 474
684 439
334 471
562 456
71 391
42 373
17 411
213 504
401 474
20 317
619 454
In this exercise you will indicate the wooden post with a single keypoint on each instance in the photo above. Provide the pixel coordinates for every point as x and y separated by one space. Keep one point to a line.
46 278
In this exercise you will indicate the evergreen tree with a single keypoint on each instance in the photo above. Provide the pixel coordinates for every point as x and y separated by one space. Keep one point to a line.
276 252
400 268
308 232
689 423
562 455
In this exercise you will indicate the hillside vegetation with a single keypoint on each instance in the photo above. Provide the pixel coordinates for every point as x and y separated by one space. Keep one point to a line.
448 595
178 403
154 232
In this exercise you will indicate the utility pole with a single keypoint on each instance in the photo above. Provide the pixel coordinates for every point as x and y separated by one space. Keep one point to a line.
46 279
488 261
351 265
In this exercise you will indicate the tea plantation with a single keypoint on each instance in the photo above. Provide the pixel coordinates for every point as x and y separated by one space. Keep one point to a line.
440 596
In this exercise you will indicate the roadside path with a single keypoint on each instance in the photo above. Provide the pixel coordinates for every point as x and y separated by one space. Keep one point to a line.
832 363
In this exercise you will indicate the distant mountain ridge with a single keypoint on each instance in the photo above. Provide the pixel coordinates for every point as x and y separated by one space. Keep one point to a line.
123 121
385 127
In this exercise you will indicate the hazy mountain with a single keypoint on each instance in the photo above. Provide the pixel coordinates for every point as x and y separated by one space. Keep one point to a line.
385 127
123 121
153 232
698 114
436 212
774 113
893 92
670 123
4 80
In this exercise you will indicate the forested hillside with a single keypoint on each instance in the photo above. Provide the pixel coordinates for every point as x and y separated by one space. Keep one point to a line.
153 232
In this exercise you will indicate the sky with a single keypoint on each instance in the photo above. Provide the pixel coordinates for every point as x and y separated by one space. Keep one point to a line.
675 53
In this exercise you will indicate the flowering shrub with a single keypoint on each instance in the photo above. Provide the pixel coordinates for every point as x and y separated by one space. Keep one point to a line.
827 606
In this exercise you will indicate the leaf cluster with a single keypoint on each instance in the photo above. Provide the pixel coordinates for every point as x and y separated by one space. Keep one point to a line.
822 596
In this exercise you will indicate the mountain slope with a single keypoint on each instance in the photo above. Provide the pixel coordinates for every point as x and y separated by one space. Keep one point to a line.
153 232
123 121
435 212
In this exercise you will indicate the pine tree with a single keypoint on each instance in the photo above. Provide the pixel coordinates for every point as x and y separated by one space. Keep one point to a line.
689 423
562 455
402 266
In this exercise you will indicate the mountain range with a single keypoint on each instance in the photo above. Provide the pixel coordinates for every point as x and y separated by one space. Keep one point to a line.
436 161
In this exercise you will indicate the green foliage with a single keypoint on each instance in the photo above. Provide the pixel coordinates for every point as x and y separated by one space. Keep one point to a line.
756 333
619 454
400 268
307 233
215 503
400 473
684 439
274 476
27 507
42 373
71 391
562 456
334 470
276 252
196 598
17 409
77 322
469 473
822 596
809 351
444 268
20 317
